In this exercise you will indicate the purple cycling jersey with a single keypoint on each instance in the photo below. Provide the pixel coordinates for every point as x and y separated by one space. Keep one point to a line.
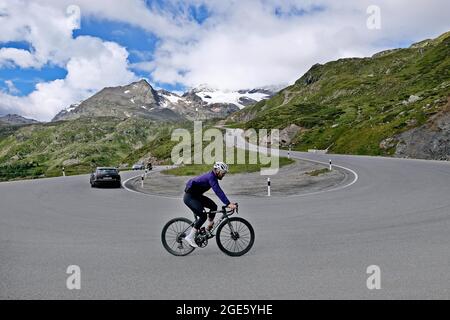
199 185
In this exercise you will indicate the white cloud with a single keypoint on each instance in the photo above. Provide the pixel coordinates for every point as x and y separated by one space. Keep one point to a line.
106 65
244 44
19 57
135 12
86 75
46 28
11 87
91 63
144 66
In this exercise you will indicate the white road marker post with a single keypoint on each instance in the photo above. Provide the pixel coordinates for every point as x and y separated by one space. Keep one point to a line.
142 181
64 172
330 164
146 173
268 187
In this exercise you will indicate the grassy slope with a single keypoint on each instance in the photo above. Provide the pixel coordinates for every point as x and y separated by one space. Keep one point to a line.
41 149
162 147
353 104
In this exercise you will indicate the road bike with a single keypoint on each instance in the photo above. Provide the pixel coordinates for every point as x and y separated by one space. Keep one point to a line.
235 236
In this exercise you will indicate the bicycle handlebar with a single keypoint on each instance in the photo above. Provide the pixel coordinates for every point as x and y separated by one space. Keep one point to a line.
224 210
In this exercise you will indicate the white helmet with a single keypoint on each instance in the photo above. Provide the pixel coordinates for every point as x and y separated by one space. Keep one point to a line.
221 166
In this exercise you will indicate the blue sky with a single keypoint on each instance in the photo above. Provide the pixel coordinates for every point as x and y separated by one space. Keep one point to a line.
48 60
139 43
25 80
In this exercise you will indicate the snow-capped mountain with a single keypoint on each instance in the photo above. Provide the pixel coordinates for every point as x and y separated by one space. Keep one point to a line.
140 99
240 98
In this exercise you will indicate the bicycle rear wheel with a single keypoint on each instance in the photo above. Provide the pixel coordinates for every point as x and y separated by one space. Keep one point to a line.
173 235
235 237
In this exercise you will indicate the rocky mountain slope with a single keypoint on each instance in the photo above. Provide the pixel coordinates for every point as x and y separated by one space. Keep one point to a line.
139 99
393 103
428 141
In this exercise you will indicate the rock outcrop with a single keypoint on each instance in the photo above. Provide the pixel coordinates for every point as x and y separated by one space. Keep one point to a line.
429 141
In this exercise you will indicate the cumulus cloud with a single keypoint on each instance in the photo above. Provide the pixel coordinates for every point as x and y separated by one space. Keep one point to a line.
247 44
162 21
91 63
86 75
11 87
19 57
46 28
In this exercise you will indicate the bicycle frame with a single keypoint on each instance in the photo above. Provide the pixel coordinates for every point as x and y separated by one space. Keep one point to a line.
225 215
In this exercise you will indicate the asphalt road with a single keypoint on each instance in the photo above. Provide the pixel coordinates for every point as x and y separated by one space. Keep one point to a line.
396 216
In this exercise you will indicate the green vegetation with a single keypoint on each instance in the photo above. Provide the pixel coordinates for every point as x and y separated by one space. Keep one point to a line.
80 145
351 105
29 170
162 148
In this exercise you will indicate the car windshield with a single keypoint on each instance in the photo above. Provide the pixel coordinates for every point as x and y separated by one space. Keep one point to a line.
107 171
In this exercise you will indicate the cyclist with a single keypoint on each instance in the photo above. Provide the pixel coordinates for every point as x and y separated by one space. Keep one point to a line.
196 201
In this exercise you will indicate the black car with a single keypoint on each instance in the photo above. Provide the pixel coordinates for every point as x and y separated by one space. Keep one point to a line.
105 176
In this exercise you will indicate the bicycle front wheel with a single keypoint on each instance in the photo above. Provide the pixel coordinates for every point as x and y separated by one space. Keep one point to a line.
235 236
173 235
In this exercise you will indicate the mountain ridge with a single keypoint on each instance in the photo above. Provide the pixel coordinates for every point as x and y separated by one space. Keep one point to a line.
142 100
15 119
355 105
